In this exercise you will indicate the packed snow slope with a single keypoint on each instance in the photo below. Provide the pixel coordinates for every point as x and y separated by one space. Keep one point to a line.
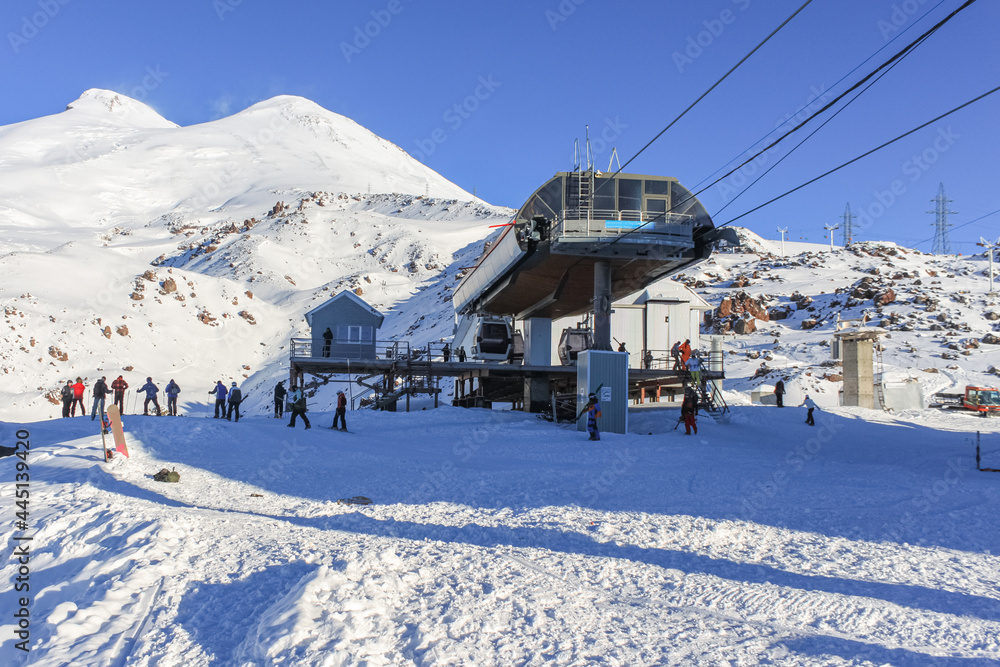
942 328
499 539
133 246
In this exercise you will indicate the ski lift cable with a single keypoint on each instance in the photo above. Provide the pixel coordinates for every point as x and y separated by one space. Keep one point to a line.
887 64
895 58
863 155
705 94
986 215
808 136
834 86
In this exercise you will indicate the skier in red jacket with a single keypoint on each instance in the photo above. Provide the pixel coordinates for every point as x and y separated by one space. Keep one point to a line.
341 411
78 390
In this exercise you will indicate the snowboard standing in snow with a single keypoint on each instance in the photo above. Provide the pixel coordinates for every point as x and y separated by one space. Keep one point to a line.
115 415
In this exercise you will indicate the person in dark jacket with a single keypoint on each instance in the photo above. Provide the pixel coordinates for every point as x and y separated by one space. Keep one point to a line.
100 392
151 391
593 413
341 411
279 400
327 341
299 407
446 353
119 386
78 390
171 391
235 398
67 397
461 354
220 399
689 409
779 393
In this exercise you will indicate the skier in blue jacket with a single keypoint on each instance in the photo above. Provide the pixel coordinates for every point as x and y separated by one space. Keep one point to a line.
220 392
171 391
151 391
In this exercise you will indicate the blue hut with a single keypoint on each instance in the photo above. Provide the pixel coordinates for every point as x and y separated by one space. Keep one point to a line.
344 328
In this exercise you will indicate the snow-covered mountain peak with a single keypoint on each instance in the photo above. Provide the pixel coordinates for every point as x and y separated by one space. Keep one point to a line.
106 105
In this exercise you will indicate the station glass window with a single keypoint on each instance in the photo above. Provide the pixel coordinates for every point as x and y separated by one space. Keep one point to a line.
546 202
657 187
604 194
629 194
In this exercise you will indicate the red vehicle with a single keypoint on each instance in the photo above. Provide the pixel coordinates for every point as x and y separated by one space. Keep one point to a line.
984 400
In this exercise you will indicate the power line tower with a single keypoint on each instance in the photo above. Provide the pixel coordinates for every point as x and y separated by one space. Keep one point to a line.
942 246
848 226
782 231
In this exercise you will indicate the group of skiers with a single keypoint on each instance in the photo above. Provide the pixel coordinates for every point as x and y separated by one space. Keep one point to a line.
72 396
227 400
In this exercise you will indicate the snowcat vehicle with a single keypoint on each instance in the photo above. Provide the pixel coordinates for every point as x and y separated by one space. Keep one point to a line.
984 400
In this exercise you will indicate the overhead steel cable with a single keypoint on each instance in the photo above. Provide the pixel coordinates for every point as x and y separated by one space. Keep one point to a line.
705 94
806 138
887 64
808 103
863 155
899 55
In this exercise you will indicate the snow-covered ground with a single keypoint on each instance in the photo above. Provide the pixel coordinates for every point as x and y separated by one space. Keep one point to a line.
134 246
499 539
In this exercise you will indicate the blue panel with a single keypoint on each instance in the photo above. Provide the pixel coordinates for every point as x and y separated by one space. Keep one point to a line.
622 224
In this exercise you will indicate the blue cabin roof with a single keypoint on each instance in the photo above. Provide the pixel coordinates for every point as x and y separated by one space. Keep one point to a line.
351 297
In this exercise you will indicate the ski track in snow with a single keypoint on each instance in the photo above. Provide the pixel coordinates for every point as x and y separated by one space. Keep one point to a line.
517 543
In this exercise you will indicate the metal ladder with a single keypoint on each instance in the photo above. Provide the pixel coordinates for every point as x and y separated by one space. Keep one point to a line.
878 379
584 192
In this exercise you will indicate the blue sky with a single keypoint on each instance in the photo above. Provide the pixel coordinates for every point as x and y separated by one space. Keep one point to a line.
492 95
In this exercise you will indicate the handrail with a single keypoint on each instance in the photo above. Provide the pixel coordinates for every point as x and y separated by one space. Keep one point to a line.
383 349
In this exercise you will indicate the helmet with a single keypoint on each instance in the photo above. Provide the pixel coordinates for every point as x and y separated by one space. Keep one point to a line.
593 396
234 384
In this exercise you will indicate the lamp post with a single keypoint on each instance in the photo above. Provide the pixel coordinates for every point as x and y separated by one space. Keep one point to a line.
830 228
989 252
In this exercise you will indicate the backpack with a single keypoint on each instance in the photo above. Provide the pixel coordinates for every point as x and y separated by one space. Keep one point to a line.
235 395
167 476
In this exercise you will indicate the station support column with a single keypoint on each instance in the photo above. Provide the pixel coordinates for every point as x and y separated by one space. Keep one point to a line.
602 305
537 352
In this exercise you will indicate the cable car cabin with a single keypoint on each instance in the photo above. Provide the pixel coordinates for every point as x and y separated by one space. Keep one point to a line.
542 265
572 342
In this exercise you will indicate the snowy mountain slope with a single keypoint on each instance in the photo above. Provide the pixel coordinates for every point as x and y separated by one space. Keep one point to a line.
941 324
110 161
498 539
131 247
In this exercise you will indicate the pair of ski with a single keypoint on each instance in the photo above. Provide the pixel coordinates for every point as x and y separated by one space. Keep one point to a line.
333 428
